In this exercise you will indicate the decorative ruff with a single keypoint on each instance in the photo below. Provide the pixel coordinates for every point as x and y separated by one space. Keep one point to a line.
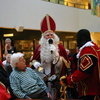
87 44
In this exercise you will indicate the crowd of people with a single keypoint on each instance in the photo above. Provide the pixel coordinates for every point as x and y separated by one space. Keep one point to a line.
52 74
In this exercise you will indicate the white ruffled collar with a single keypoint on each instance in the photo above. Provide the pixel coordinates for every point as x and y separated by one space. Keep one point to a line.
87 44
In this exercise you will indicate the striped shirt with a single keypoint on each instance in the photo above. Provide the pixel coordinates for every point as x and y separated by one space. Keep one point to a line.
26 82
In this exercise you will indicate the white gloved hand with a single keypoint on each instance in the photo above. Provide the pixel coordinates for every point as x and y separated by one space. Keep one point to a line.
36 65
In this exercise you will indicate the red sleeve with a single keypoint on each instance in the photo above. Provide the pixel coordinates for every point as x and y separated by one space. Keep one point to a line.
36 55
62 51
77 76
73 61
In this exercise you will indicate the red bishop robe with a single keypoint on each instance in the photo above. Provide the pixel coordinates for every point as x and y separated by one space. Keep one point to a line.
62 52
87 73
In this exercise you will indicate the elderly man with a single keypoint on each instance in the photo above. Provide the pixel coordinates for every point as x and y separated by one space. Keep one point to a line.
87 74
25 83
49 54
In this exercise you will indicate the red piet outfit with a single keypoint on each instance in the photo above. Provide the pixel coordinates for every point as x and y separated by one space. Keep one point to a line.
87 74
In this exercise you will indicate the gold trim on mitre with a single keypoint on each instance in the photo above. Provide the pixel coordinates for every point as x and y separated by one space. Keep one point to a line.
67 63
48 22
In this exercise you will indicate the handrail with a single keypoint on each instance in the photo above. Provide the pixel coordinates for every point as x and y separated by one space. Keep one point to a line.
74 4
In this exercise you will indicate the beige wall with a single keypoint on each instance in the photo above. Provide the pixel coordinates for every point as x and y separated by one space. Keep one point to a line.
29 13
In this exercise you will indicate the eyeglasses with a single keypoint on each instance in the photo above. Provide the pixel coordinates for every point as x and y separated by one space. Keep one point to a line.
8 42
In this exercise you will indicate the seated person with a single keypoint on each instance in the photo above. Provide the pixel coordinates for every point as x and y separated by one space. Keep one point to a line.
7 64
25 82
7 61
4 78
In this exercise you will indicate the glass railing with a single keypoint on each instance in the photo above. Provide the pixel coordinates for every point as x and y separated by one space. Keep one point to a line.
72 3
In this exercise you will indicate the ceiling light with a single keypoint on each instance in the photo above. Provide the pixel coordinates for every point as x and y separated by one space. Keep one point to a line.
69 37
8 35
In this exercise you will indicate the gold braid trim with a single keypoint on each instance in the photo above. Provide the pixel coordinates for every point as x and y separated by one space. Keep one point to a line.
98 60
84 88
2 84
4 87
67 63
63 93
72 79
70 86
57 60
96 97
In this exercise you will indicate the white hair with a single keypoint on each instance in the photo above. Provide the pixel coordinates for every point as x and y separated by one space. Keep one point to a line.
55 40
8 55
15 58
7 39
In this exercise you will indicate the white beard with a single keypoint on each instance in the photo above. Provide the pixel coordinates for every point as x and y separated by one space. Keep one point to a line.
45 54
